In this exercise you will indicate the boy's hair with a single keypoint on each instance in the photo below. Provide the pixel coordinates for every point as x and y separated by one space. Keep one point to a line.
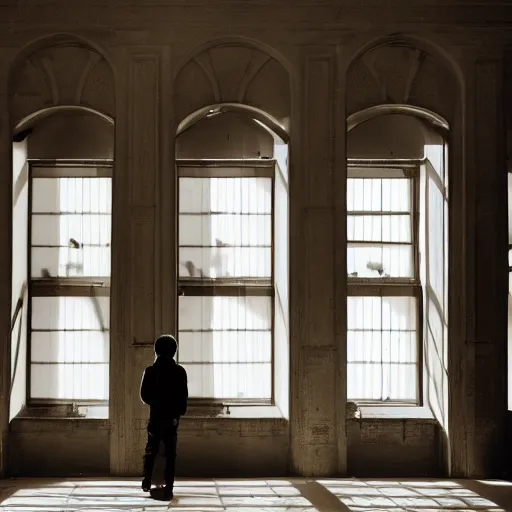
166 345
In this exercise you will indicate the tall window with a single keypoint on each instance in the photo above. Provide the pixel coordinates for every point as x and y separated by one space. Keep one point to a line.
69 269
226 280
383 283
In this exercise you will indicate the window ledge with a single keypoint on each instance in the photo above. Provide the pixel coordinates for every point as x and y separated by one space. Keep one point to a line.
234 412
66 412
395 412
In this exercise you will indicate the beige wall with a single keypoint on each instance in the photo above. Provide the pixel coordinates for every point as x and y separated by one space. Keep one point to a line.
150 66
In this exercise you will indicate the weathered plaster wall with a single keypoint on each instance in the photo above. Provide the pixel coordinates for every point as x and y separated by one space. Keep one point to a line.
60 447
148 65
394 448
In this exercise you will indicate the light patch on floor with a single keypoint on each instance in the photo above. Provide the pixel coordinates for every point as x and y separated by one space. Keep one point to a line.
273 495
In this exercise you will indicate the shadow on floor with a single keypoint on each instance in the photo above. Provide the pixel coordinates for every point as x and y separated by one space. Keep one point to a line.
157 493
320 497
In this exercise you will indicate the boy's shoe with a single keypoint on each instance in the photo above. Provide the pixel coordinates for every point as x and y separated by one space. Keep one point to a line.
168 494
146 484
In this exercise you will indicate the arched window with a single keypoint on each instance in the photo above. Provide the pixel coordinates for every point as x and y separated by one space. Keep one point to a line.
233 287
397 263
67 161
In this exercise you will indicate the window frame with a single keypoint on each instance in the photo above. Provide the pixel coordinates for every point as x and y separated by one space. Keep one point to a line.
197 286
393 286
61 286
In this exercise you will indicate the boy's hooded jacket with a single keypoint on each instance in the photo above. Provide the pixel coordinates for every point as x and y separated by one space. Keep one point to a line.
164 389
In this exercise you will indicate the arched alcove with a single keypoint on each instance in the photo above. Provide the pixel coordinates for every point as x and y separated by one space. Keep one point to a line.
232 103
401 102
61 250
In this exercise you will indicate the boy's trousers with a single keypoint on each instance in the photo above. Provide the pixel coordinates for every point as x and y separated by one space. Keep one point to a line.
165 430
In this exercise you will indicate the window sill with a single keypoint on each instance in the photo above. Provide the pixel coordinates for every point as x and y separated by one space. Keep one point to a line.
394 412
55 411
234 412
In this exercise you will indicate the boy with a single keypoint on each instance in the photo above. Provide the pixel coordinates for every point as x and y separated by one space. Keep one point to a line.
164 389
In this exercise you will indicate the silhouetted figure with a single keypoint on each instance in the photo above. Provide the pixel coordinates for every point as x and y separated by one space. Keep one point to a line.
164 388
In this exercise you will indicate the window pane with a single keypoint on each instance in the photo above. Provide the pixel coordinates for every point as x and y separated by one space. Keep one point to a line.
68 262
232 381
70 347
378 195
436 239
71 227
225 227
434 153
382 342
221 230
69 381
71 195
380 244
380 260
379 228
225 262
70 313
226 345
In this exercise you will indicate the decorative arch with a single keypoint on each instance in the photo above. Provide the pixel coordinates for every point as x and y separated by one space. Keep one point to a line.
234 70
60 70
432 118
236 41
263 118
57 40
422 44
35 117
404 70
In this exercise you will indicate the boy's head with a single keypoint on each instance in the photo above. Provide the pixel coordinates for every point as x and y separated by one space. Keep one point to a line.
166 345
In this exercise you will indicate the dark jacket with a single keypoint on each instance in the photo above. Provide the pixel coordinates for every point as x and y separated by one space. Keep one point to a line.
164 388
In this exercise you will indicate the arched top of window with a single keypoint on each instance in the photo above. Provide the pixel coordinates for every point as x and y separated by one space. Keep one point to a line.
68 132
394 133
265 120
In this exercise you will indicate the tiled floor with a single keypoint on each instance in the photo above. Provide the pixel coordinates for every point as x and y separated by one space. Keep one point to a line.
291 495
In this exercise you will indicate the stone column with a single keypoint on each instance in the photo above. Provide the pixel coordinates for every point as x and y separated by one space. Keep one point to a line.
461 285
491 268
136 261
479 280
317 377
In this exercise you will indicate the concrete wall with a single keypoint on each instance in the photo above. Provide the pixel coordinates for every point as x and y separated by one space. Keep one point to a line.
150 66
394 448
376 448
58 447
